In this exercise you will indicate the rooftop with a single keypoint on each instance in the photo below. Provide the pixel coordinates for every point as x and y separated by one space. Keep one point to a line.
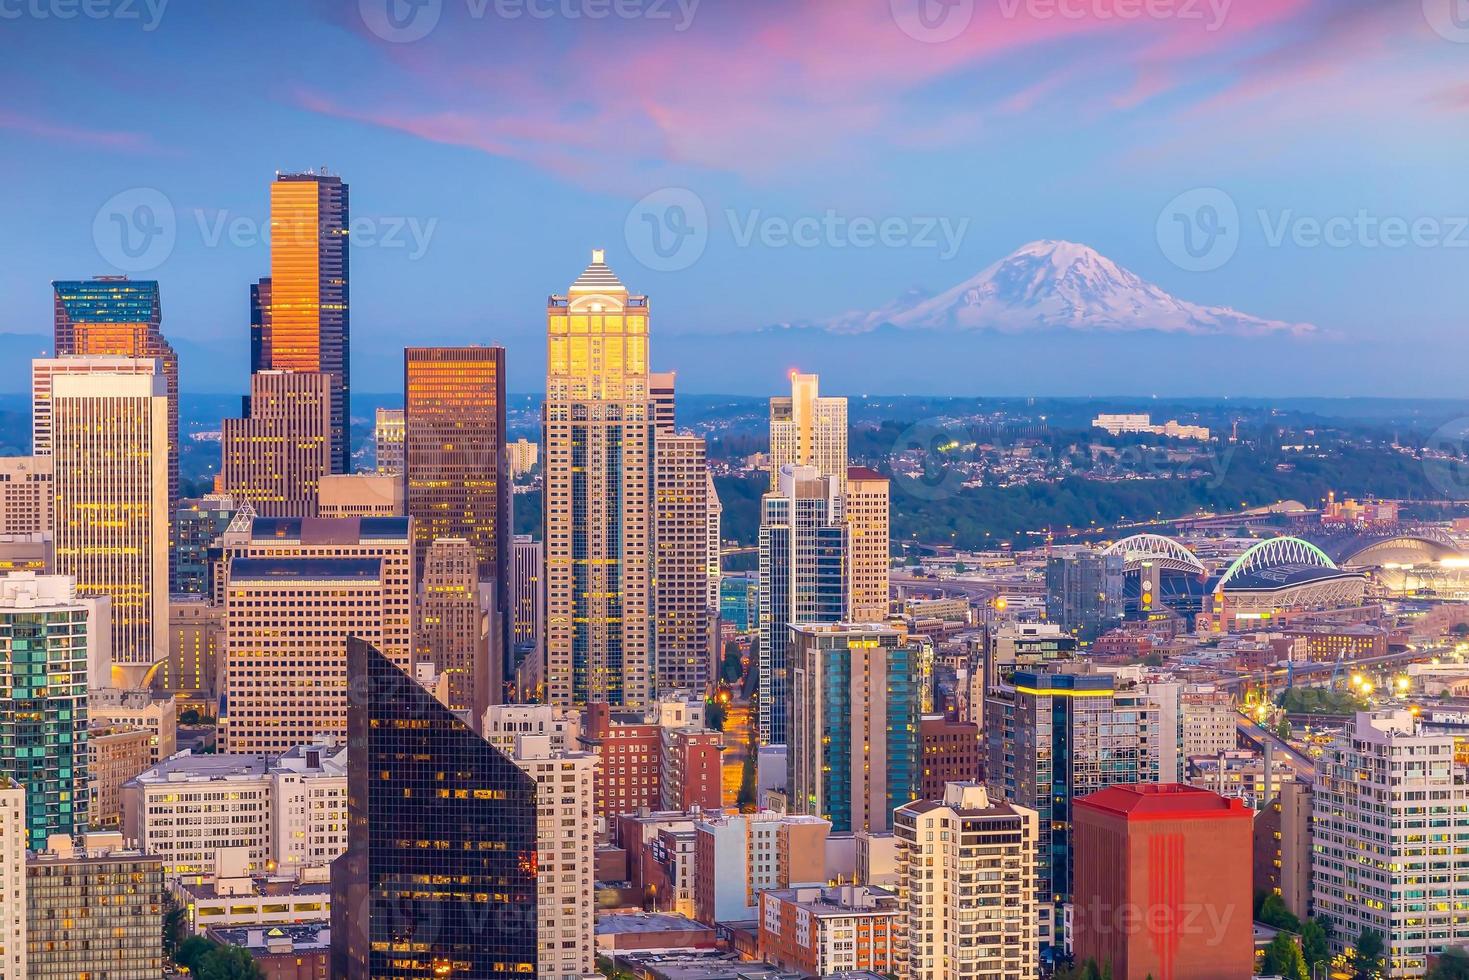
1161 801
647 922
328 530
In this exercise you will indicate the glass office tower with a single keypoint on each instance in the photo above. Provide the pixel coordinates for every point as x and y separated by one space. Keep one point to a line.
439 877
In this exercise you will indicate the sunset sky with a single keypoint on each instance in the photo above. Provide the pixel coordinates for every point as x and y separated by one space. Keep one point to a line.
487 156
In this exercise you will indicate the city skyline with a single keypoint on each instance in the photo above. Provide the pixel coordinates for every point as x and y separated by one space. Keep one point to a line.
445 184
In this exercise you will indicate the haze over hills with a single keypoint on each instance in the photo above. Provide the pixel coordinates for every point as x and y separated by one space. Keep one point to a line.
1055 284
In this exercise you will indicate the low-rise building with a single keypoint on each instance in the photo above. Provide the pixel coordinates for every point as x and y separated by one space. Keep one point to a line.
825 931
297 952
289 812
739 855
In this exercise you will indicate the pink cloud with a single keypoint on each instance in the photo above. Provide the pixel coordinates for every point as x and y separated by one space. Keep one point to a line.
807 83
119 140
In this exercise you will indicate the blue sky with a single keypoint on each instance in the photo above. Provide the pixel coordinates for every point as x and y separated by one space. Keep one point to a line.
489 155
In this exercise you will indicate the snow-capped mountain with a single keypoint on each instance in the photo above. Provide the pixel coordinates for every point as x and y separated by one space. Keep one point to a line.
1048 285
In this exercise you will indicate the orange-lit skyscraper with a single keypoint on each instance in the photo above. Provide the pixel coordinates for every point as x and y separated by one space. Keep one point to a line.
300 316
598 515
454 458
115 316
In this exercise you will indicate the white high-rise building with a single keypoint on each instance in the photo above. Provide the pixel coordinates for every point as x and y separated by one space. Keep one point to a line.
12 880
809 430
1388 819
715 543
966 888
565 865
504 723
110 460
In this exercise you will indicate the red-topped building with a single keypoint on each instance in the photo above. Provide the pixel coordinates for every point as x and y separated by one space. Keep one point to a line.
1163 883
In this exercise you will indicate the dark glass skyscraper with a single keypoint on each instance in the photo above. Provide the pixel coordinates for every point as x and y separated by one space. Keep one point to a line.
300 318
119 317
439 877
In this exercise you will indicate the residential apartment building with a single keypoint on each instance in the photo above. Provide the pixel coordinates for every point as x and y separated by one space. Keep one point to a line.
967 876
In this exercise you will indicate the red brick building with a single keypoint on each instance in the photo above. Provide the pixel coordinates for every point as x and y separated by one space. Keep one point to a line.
950 755
645 766
1163 883
690 769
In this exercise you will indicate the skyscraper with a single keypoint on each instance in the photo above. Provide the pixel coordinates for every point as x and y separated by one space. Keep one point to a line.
681 565
714 546
277 454
307 585
966 885
304 321
43 701
528 603
867 515
454 457
440 874
803 578
452 626
598 521
807 429
1052 736
110 461
114 316
854 743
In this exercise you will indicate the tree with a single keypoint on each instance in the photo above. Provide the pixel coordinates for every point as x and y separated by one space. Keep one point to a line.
173 927
1283 958
1274 913
1153 659
714 715
1367 956
229 963
1316 942
191 952
1453 964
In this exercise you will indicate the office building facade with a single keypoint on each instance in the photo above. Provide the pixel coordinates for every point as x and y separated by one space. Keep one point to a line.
305 315
113 316
274 457
867 512
110 473
440 874
25 495
854 726
803 579
680 564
